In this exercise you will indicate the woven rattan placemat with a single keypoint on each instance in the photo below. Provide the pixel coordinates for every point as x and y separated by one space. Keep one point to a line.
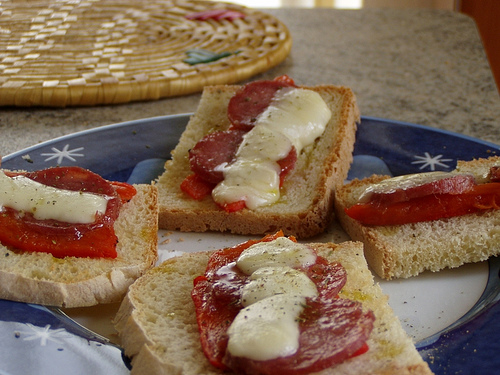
89 52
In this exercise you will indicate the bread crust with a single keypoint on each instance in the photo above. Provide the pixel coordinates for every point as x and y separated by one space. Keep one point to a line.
41 278
157 325
402 251
306 204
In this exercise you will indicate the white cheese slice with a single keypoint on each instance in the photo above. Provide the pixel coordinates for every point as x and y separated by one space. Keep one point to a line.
420 184
280 252
262 143
295 117
403 182
269 281
46 202
300 114
256 183
267 329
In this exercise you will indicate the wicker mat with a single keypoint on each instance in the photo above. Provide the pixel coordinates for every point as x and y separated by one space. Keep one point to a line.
90 52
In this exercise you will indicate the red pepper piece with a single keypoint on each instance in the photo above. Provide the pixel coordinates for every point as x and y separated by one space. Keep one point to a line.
196 187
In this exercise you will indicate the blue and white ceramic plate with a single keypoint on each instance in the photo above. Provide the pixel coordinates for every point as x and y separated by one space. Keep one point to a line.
453 315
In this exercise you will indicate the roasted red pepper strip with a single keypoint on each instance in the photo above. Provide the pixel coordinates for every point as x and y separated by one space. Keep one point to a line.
125 191
428 208
96 243
234 206
196 187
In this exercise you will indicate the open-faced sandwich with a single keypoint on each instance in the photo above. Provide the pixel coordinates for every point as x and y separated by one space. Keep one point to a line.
261 157
427 221
70 238
272 306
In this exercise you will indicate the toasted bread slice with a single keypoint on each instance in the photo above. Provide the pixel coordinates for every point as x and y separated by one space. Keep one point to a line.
306 204
157 324
75 282
402 251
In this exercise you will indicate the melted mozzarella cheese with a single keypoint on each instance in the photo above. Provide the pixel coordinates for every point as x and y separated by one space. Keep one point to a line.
280 252
300 114
262 143
295 117
403 182
264 186
46 202
269 281
267 329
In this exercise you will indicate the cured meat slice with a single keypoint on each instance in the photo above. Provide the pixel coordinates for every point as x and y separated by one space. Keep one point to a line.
428 207
209 156
253 99
212 151
214 315
287 164
22 231
332 329
219 148
404 188
495 173
343 331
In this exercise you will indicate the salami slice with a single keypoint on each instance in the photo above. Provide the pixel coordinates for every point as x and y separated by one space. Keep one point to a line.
495 173
22 231
218 302
287 164
429 207
343 331
407 187
72 178
329 278
253 99
214 150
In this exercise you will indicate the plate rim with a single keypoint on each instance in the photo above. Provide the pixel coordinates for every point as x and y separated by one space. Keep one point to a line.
186 116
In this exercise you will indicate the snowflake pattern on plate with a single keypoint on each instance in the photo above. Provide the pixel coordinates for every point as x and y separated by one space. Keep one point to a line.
60 155
44 334
431 161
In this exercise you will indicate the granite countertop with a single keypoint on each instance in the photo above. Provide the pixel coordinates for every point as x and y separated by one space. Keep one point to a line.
421 66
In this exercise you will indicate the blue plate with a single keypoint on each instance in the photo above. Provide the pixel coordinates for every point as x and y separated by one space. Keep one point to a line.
135 151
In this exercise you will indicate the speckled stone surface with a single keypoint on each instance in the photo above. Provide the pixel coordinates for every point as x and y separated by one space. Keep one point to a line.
421 66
